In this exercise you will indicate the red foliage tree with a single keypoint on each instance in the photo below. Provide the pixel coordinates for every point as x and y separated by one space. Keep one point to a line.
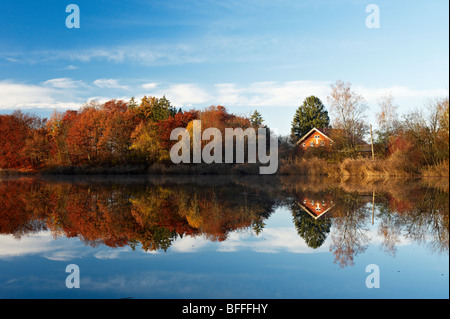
17 133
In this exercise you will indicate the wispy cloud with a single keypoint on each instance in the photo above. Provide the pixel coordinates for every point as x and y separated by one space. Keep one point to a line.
149 52
70 67
13 60
109 84
141 54
149 86
64 83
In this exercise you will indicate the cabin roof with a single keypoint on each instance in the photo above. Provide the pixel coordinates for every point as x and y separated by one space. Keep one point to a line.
323 131
326 132
312 213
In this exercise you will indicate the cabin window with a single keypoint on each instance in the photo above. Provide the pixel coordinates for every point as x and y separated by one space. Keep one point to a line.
304 145
312 144
322 143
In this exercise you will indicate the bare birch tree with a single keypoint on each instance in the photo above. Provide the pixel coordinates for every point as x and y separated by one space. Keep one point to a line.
387 118
347 109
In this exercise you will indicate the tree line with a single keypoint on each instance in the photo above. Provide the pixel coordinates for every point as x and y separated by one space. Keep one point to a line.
107 134
138 133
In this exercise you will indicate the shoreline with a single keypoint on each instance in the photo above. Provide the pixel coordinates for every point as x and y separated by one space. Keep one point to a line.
314 167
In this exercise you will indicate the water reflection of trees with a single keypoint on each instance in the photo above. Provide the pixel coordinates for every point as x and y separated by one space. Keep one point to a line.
136 214
403 210
313 231
152 213
348 216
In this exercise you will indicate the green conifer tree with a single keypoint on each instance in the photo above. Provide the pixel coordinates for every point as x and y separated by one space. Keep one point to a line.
312 113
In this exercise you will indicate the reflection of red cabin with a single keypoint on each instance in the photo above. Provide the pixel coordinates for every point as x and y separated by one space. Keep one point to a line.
315 138
316 208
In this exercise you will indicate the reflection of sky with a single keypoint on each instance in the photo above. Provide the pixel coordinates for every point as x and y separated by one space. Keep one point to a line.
275 264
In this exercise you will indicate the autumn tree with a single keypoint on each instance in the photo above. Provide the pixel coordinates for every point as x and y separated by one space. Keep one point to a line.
443 122
13 134
57 127
37 147
154 109
85 133
147 143
428 129
348 112
151 140
387 119
181 119
117 127
21 138
219 118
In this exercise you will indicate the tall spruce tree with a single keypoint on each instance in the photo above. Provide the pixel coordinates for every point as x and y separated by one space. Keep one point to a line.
310 114
256 119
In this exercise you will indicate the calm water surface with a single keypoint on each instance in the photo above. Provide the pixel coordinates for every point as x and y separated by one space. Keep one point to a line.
222 237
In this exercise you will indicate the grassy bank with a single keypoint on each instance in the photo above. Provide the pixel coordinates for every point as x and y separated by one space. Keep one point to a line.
366 168
437 170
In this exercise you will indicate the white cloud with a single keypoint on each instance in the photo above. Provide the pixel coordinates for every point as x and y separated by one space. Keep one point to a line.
44 244
186 95
70 67
12 60
63 83
257 94
110 253
16 95
53 94
271 240
270 93
189 244
149 86
109 84
210 49
276 239
33 244
69 93
289 94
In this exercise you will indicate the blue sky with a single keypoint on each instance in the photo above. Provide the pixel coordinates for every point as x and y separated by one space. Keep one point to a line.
245 55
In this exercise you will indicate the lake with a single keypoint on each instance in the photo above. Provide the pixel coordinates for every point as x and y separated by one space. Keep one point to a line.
175 237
